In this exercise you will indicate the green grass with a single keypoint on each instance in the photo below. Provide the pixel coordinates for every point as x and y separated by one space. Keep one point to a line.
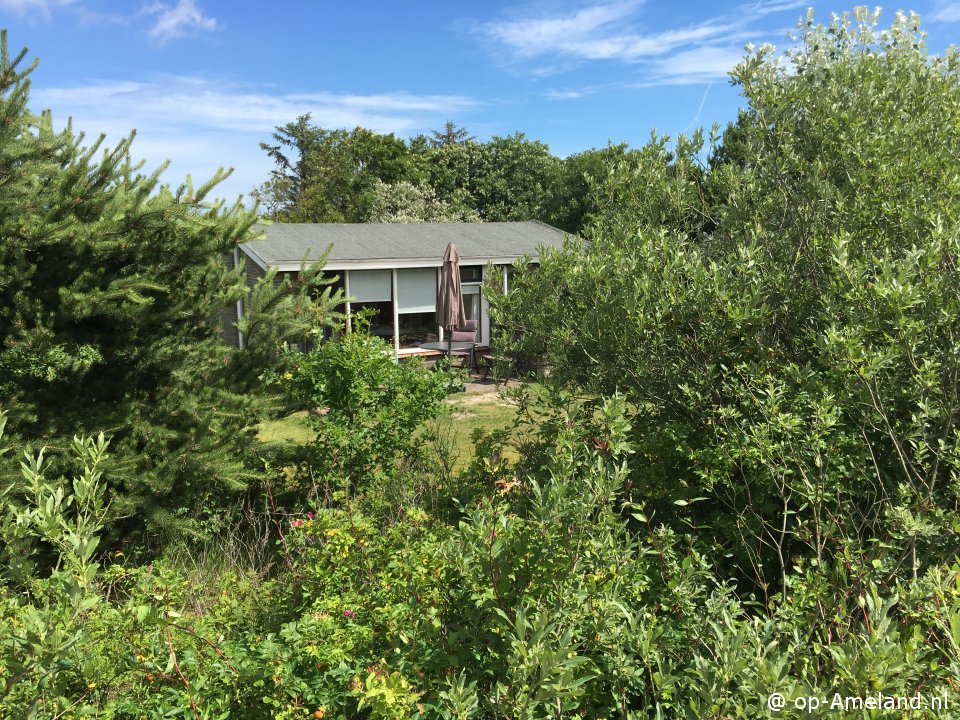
468 411
471 411
291 429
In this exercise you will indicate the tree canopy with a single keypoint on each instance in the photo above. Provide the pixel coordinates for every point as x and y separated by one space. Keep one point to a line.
324 175
111 292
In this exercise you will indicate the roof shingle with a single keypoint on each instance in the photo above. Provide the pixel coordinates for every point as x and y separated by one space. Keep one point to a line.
369 242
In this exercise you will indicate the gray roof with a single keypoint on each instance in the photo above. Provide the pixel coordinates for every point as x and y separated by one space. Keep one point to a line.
287 243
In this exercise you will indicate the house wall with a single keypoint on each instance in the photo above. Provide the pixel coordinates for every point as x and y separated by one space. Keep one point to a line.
254 273
228 316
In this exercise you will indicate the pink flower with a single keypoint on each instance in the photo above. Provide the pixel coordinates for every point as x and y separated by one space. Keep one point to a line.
348 613
310 514
296 523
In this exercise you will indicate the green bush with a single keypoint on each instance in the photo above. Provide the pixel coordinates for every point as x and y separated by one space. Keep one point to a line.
783 321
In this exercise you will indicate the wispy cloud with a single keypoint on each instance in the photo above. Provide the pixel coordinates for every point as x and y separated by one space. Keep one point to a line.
34 9
214 106
948 12
699 65
167 21
761 9
593 33
175 21
566 94
619 32
226 122
530 37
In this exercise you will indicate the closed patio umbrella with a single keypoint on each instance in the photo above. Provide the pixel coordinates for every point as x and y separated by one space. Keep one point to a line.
450 313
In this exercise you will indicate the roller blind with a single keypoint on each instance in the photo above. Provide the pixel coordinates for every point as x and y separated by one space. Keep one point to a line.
370 285
417 290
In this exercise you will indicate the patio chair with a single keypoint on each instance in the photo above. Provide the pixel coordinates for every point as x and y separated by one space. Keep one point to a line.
468 333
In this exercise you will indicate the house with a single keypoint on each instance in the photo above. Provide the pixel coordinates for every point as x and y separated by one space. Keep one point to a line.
391 270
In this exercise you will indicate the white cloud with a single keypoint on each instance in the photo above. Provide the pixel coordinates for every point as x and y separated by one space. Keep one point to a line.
538 36
566 94
702 64
215 106
760 9
593 33
34 9
946 12
178 20
617 32
200 124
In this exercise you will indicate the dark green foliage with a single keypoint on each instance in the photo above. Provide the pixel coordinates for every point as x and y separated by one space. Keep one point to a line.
450 135
510 178
329 175
111 290
337 175
575 194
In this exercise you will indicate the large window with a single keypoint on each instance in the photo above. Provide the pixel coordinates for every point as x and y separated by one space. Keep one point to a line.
416 306
401 304
372 293
417 328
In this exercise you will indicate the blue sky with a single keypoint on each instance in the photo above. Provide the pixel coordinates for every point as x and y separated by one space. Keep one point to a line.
205 81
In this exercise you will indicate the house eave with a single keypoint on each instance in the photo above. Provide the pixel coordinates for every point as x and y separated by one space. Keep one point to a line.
382 263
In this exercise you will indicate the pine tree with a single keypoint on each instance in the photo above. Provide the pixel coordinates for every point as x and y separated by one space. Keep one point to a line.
111 290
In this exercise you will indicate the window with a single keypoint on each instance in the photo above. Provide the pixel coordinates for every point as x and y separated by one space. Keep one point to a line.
471 274
368 286
418 328
379 315
417 290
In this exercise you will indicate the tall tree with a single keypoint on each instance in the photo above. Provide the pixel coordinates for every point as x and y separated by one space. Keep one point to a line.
506 178
450 135
329 175
295 144
335 175
576 194
111 289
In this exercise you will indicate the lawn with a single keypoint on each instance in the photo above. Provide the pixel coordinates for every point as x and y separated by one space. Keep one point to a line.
467 412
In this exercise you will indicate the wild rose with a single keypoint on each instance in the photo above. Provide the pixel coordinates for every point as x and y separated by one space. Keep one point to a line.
348 613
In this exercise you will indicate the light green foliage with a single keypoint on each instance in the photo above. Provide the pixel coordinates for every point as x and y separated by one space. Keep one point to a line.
404 202
365 408
784 320
552 598
739 477
42 654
